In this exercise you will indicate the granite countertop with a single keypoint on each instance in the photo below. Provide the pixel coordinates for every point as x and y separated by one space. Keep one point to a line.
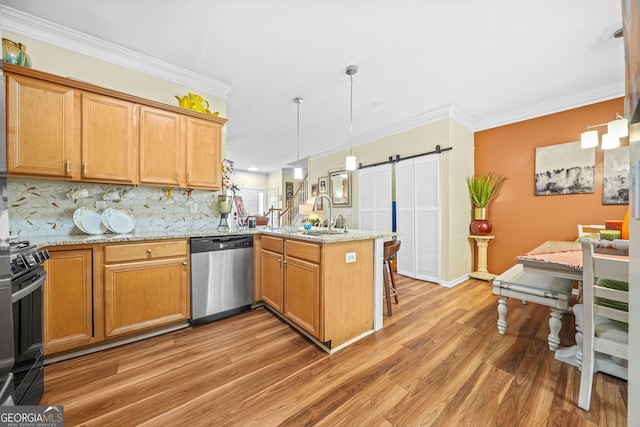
329 238
85 239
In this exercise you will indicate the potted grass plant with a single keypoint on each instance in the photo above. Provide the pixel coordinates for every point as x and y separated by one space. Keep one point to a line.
483 189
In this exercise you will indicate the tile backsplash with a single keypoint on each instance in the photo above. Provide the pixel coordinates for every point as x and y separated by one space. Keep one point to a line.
42 207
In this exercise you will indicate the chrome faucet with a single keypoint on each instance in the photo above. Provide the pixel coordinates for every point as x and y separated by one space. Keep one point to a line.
330 208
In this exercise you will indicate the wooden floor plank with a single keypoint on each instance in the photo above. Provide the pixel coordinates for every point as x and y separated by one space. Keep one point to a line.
438 361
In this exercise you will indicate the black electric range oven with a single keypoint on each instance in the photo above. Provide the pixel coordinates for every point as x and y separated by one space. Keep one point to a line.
27 280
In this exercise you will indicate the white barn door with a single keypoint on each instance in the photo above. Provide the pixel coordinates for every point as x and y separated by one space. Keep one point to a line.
374 193
418 217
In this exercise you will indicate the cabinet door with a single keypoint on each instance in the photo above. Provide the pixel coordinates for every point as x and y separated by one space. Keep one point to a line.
43 128
271 279
302 294
161 148
109 139
68 300
144 295
204 161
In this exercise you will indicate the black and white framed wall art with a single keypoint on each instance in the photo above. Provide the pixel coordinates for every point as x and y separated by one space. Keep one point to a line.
615 176
565 169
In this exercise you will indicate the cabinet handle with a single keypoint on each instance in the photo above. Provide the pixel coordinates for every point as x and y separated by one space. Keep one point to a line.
285 262
184 263
84 168
68 166
178 176
279 260
189 178
149 251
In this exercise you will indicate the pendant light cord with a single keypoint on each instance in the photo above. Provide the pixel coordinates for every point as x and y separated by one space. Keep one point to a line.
351 118
298 101
298 131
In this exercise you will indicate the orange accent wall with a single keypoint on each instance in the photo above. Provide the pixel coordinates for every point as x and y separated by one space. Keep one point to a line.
521 220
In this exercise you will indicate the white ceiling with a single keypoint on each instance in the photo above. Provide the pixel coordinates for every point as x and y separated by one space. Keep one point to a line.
487 63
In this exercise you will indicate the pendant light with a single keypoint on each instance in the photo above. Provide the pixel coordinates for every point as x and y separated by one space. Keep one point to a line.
350 162
297 172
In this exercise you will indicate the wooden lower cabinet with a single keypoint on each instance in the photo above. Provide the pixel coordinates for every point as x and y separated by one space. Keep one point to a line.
95 293
312 286
289 285
302 294
271 279
145 294
68 300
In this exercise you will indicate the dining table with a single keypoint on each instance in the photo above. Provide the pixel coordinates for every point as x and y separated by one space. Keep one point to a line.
557 259
554 258
564 259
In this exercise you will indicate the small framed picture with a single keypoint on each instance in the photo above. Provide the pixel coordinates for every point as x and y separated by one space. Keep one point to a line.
289 190
322 185
314 190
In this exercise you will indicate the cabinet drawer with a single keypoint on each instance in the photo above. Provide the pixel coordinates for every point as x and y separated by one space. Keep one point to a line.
303 250
273 244
145 250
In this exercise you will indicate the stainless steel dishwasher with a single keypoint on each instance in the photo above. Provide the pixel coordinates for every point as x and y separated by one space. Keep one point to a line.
221 276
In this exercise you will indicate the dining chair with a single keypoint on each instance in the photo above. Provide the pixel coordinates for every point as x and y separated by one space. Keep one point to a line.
602 319
592 230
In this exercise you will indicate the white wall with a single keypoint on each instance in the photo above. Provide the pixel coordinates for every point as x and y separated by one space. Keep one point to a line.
250 180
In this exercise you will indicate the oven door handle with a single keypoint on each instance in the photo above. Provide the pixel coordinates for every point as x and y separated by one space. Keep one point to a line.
17 296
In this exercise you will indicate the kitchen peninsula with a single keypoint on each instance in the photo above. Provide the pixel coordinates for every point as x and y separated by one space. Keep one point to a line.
107 289
322 285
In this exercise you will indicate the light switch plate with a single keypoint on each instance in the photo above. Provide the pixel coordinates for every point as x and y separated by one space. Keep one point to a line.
350 257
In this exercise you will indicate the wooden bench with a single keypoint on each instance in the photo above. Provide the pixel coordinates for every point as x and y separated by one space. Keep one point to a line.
553 292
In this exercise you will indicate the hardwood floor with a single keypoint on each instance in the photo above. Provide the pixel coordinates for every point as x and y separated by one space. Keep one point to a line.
438 361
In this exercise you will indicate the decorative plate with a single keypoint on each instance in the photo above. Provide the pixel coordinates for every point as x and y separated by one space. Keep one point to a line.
118 221
76 219
89 221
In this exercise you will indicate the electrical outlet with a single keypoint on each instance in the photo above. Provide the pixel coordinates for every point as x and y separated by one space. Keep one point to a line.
193 208
101 204
350 257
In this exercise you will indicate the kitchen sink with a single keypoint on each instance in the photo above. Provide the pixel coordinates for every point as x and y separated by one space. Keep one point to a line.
321 232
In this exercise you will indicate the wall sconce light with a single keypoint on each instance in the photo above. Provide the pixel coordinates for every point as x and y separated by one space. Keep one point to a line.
616 129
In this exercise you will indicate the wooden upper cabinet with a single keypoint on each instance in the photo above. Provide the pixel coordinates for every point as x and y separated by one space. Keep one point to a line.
109 139
67 129
204 162
43 128
161 147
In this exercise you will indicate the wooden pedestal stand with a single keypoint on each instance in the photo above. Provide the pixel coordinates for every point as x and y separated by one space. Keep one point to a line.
482 242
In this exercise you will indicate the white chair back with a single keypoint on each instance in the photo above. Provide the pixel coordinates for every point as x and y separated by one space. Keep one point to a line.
603 315
585 230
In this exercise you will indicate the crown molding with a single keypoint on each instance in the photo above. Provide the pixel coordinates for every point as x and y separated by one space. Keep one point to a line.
462 117
554 106
448 111
48 32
